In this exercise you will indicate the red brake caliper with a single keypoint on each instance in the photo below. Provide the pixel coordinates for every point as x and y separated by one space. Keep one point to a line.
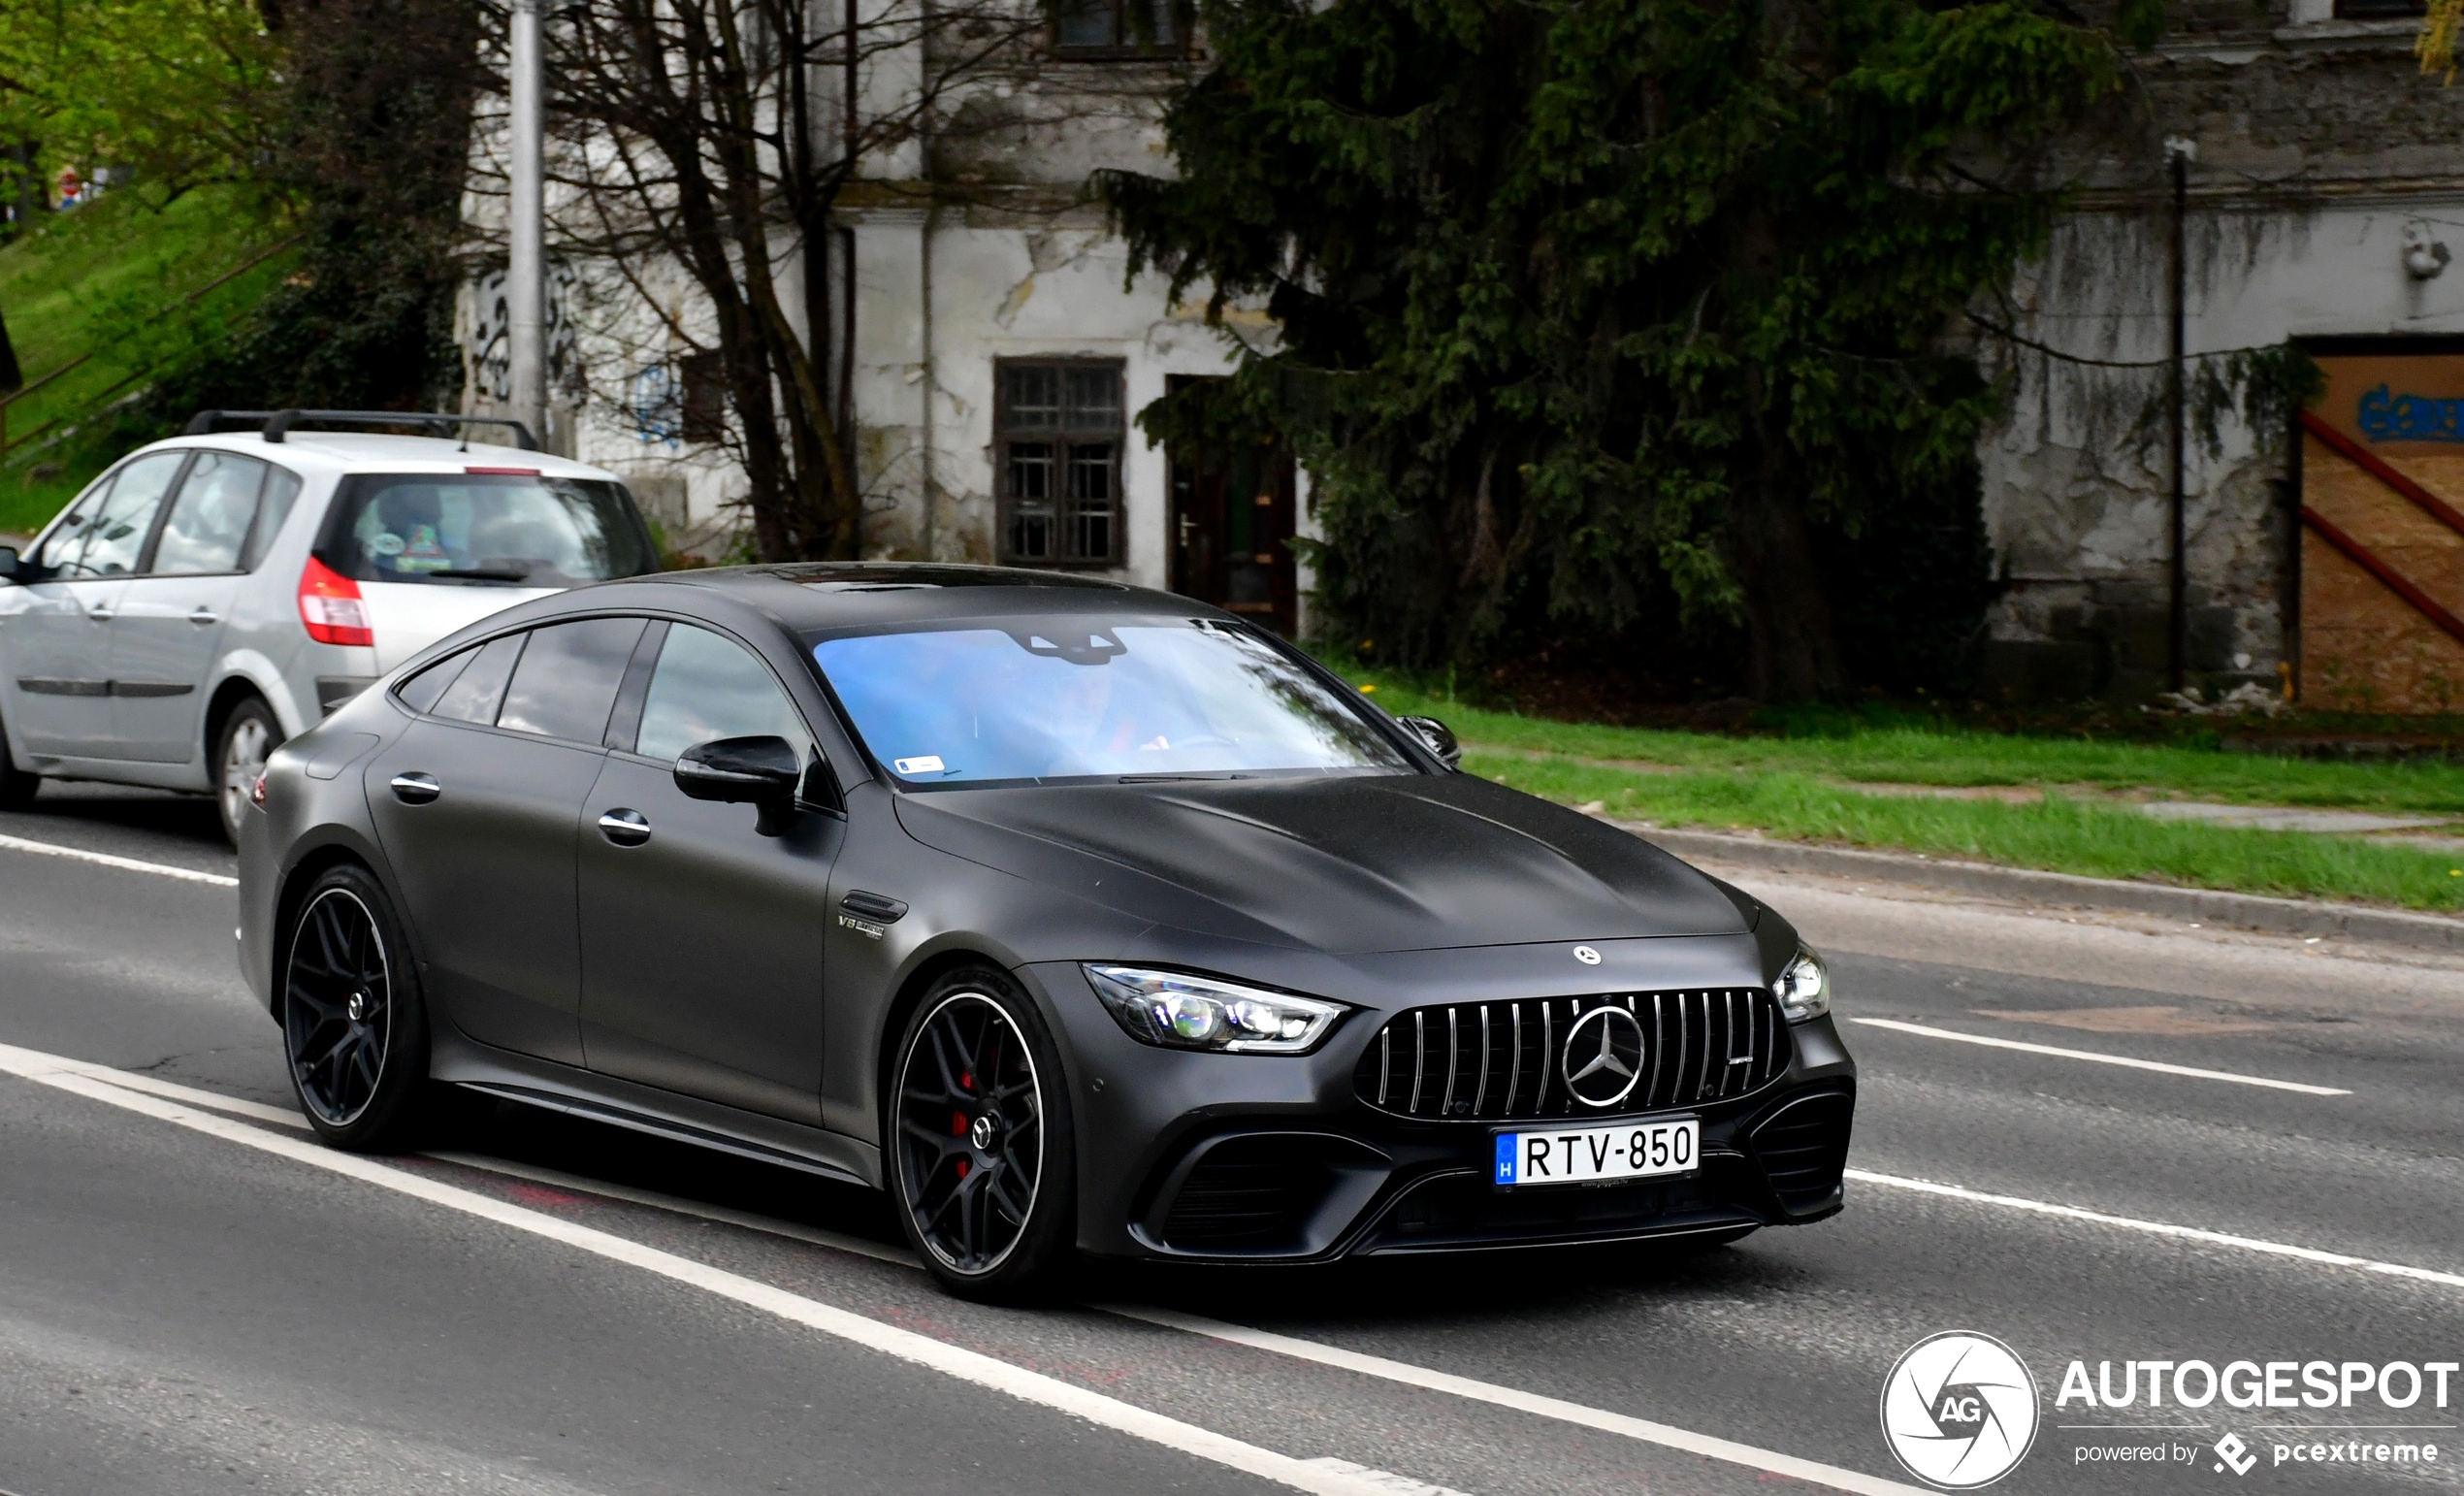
959 1122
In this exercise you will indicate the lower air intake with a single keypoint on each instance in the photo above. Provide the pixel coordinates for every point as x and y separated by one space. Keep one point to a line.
1803 1148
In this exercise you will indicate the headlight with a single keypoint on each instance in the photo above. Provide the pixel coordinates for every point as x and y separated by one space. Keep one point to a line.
1803 990
1183 1012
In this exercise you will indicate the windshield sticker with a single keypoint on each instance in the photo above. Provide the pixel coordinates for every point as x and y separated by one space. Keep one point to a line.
422 553
928 763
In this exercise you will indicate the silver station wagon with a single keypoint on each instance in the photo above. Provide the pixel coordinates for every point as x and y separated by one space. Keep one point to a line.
214 594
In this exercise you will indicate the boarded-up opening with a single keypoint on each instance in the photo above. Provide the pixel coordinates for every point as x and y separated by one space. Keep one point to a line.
2381 620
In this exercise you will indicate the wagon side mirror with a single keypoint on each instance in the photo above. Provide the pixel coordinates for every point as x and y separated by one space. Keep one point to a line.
10 565
1437 737
764 772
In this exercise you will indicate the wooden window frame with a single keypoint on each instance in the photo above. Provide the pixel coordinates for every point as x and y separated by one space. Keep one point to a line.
1061 437
1126 47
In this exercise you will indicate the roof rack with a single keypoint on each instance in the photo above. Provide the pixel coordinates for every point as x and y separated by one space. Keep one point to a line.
277 424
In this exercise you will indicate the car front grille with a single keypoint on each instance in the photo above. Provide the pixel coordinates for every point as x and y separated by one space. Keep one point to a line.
1499 1061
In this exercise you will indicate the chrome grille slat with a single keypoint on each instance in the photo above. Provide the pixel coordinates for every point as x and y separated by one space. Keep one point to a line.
1419 1056
1480 1096
1706 1044
1702 1078
1514 1071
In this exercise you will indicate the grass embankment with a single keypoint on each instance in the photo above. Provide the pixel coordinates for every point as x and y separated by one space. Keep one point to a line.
129 287
1807 788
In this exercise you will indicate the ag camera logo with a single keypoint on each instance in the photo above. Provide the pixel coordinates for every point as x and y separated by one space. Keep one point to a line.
1959 1410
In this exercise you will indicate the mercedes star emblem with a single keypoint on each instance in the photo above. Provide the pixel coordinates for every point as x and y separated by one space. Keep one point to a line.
1587 955
1603 1056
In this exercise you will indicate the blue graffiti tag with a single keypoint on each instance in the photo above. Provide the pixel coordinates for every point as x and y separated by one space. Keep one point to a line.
2410 418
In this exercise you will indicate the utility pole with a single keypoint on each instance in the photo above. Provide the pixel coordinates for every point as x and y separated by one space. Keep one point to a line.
526 278
2179 151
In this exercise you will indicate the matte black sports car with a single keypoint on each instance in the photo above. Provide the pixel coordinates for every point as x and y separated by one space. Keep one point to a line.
1078 916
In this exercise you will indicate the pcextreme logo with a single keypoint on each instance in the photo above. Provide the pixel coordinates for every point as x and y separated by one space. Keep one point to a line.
1959 1409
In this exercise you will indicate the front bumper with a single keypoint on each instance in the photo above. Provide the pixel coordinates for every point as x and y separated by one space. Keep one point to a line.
1254 1158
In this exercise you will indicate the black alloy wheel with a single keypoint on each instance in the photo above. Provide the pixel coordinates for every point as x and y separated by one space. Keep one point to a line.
982 1151
353 1028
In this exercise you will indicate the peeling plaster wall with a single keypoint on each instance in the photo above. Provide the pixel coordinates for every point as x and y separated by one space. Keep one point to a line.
2318 142
1001 290
2077 477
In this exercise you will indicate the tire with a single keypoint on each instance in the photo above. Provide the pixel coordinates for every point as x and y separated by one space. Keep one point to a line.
354 1024
17 786
248 734
982 1161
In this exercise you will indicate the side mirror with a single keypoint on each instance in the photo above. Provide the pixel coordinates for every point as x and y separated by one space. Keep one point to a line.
763 771
1437 737
10 565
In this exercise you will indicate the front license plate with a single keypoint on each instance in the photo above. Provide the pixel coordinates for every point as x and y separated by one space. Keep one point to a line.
1583 1155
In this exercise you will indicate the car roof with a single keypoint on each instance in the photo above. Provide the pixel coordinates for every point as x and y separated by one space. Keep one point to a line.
337 452
822 596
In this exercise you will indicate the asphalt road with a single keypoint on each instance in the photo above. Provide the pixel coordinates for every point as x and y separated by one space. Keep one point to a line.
196 1299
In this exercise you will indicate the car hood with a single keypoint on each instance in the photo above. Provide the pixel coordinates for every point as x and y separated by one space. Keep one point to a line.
1338 864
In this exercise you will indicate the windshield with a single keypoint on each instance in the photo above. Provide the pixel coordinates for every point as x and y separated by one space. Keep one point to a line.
1073 697
472 529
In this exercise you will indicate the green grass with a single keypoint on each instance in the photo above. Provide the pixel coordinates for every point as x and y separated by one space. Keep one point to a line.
1950 756
113 280
2058 834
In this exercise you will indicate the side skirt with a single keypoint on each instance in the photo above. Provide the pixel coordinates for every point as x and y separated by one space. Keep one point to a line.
460 1061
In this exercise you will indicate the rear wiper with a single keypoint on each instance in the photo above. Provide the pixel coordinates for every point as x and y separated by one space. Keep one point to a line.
482 573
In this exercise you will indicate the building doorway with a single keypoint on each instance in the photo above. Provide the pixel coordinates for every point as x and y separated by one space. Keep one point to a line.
1234 511
2380 622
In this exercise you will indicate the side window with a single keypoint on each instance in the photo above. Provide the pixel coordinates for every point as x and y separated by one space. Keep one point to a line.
708 685
209 522
421 692
67 540
565 685
113 536
117 537
282 490
475 693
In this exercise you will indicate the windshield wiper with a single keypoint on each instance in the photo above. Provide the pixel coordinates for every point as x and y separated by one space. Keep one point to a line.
1216 775
482 573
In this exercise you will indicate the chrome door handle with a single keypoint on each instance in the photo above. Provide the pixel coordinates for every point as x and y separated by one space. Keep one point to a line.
416 788
100 612
204 615
625 827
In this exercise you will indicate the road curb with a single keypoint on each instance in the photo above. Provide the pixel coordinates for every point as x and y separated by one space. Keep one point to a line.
2207 906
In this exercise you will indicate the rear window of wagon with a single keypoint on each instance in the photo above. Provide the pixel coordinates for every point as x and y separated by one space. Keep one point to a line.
477 528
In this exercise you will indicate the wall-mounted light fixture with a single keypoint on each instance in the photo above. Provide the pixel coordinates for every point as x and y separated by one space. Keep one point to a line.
2424 255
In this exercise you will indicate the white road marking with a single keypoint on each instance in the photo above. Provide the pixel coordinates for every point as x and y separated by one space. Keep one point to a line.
953 1361
125 864
1642 1429
1386 1480
2161 1228
77 1076
2103 1059
130 1080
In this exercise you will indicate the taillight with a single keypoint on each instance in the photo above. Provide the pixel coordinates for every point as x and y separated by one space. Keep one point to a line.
330 605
